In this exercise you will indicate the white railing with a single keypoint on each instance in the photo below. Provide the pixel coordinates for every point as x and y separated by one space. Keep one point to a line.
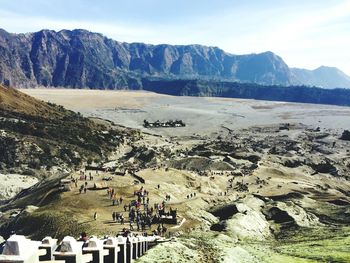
19 249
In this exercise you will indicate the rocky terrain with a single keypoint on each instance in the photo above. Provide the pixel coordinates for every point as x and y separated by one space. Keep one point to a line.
275 192
81 59
42 139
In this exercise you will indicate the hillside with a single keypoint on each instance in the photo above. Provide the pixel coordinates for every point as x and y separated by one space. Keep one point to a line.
15 102
80 59
38 137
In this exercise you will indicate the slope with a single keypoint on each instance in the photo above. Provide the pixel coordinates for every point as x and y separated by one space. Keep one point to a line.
38 137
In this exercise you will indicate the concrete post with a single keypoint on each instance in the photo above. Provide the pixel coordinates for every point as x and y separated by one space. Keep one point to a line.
122 249
129 250
134 242
146 243
143 245
111 244
139 246
95 248
49 245
70 251
20 250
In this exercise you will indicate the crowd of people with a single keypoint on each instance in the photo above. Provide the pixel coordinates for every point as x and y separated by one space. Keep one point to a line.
138 212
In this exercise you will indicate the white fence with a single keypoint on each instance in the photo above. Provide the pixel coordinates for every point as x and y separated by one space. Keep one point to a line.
19 249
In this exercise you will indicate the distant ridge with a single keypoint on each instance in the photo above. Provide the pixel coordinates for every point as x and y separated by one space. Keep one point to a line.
326 77
82 59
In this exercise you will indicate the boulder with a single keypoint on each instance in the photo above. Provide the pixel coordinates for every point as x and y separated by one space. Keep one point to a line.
289 212
249 222
345 136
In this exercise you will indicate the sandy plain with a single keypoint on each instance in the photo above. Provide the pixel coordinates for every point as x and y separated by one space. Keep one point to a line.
202 115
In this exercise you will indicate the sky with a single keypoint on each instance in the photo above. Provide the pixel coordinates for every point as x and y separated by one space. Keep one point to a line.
305 33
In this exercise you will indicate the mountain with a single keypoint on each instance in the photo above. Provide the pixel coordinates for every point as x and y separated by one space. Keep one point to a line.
326 77
80 59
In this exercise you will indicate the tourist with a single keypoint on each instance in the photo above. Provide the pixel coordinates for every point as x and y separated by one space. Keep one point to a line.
84 238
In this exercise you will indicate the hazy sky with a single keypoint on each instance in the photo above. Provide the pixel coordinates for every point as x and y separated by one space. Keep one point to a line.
305 33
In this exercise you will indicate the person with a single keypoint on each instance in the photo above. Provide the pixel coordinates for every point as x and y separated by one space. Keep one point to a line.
83 237
158 186
95 216
113 216
122 219
159 229
138 225
164 229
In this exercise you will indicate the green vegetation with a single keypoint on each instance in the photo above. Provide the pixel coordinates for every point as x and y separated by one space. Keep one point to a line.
324 244
229 89
51 223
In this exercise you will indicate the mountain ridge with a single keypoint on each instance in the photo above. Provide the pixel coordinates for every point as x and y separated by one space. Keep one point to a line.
82 59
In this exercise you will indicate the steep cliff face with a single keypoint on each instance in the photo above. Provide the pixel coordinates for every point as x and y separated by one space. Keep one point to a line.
80 58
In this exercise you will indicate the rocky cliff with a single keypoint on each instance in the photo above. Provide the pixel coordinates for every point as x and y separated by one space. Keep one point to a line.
80 58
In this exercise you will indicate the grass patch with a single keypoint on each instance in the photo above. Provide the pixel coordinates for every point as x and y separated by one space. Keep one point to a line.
51 223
